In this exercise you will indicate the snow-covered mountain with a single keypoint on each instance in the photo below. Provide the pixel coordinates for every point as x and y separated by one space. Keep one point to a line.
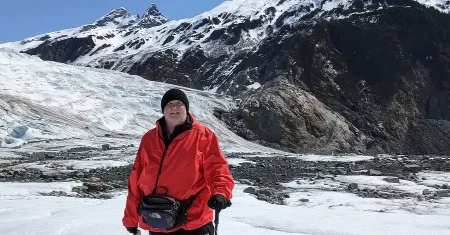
322 76
118 18
119 40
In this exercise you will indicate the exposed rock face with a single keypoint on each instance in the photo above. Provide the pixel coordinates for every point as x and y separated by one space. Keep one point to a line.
63 51
429 136
152 17
288 116
385 76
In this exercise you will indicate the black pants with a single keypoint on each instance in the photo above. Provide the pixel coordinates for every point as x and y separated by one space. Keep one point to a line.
208 229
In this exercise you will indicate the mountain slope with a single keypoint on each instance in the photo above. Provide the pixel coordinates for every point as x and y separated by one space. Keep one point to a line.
315 76
51 105
389 78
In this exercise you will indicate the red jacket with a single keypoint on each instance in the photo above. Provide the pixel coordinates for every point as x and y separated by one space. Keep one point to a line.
193 163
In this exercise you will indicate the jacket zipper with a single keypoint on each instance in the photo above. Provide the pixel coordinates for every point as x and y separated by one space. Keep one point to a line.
162 162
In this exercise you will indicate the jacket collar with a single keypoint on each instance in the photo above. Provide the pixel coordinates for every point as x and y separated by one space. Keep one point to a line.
163 133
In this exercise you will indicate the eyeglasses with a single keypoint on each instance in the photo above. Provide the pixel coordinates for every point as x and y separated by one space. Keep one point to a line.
175 104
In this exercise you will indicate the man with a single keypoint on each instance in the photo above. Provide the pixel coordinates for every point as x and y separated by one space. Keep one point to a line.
178 160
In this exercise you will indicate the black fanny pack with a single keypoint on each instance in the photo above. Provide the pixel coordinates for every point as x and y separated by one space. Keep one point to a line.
163 212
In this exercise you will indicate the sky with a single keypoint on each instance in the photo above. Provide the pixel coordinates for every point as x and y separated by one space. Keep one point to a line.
20 19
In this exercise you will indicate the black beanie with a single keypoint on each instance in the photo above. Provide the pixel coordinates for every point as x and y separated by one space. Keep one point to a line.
174 94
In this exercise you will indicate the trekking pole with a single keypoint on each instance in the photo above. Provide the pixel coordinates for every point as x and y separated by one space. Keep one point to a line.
216 221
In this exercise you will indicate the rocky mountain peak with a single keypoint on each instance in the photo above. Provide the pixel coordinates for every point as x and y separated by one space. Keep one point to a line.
152 10
115 17
151 17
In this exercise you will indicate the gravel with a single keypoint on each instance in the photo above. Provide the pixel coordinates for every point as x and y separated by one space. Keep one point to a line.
264 175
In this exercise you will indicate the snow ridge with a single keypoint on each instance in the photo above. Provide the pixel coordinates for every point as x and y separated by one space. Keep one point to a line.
122 39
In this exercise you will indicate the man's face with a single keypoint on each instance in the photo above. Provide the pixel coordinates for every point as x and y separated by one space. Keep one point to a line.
175 112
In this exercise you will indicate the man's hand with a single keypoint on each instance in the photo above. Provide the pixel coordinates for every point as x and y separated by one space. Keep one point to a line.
133 230
218 202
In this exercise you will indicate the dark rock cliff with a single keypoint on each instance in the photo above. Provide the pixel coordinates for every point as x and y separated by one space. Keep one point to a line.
387 73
